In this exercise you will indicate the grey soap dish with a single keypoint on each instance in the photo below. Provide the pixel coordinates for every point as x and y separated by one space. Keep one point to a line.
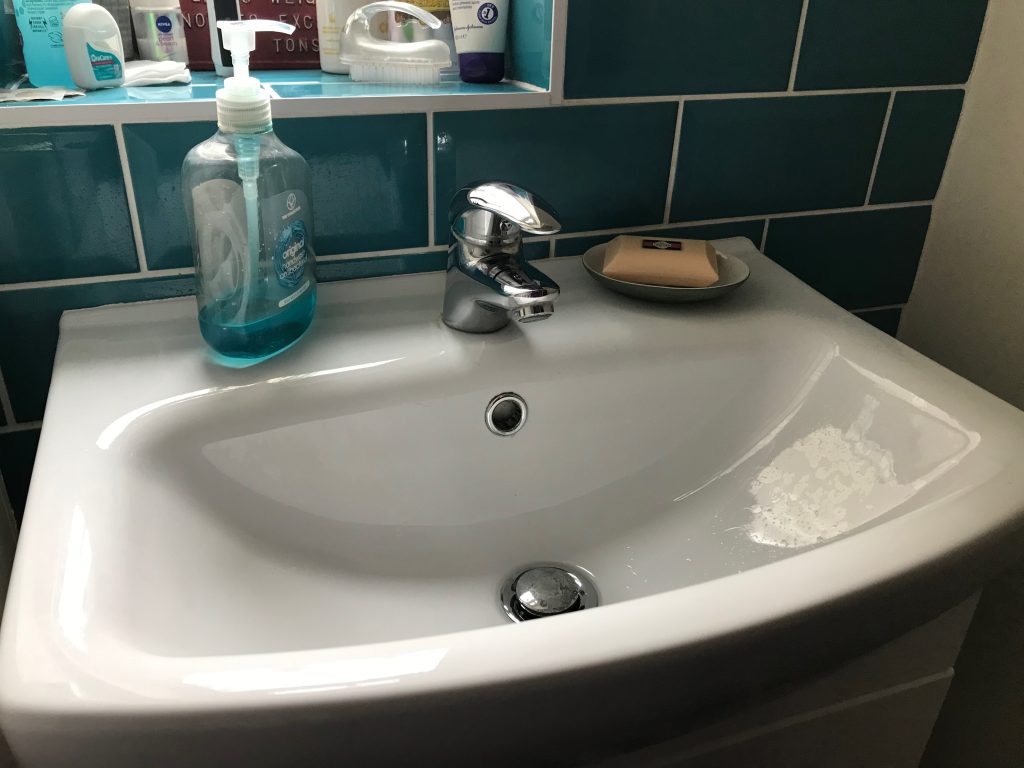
732 273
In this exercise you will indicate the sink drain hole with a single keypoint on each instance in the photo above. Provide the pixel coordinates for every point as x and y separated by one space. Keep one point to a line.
506 414
547 589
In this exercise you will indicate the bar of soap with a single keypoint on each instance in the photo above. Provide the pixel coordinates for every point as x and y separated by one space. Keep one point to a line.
661 261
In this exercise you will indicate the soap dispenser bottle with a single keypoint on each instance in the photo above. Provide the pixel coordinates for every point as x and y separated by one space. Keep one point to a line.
248 203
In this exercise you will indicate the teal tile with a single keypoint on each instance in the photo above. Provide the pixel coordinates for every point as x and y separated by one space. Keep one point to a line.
859 260
529 43
654 47
600 167
63 208
381 266
155 154
30 316
871 43
887 320
574 246
745 157
369 179
917 142
17 455
536 249
369 182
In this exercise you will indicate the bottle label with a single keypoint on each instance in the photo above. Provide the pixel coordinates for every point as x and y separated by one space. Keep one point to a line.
105 65
285 217
290 255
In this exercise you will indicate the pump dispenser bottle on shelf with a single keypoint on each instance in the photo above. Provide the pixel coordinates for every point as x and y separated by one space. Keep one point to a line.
248 201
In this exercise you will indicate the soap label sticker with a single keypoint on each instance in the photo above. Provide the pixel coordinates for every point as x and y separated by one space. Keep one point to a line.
663 245
105 65
290 254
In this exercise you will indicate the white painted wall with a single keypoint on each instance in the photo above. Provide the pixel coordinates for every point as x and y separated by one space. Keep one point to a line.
967 306
967 312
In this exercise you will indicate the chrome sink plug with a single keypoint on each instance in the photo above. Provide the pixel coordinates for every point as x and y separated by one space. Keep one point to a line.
488 280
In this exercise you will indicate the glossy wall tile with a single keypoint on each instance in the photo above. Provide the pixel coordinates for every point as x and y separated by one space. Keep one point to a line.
870 43
529 44
17 454
651 47
859 260
30 317
917 143
369 178
63 208
155 154
600 167
745 157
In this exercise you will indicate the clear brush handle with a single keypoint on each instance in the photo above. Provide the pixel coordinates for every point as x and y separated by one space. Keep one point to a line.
367 12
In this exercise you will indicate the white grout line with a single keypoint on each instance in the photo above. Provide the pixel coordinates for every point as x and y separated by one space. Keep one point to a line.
24 426
431 202
851 209
92 280
673 163
754 95
333 258
5 401
559 27
799 43
878 309
881 145
764 235
739 219
129 188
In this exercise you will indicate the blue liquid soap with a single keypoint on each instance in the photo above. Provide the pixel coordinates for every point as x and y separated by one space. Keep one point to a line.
243 344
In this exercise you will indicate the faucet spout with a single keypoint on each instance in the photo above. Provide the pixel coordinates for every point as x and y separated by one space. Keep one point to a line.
488 282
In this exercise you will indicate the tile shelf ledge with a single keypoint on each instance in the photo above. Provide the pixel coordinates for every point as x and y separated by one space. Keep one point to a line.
295 93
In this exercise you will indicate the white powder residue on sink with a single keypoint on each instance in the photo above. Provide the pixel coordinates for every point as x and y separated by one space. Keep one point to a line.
824 485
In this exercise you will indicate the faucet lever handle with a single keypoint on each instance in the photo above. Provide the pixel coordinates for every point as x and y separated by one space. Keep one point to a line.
520 206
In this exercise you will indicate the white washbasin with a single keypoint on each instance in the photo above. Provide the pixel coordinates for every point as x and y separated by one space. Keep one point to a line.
300 558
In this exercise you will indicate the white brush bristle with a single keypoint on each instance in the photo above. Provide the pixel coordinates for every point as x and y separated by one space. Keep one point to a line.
403 74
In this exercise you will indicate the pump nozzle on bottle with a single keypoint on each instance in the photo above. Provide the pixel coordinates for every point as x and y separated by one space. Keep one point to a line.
242 105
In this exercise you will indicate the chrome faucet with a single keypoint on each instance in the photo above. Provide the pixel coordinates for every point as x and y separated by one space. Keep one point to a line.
488 279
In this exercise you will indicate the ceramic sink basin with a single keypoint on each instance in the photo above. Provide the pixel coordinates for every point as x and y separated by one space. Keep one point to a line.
302 559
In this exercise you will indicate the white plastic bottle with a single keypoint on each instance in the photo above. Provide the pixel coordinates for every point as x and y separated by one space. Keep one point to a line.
331 16
217 11
159 30
92 44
